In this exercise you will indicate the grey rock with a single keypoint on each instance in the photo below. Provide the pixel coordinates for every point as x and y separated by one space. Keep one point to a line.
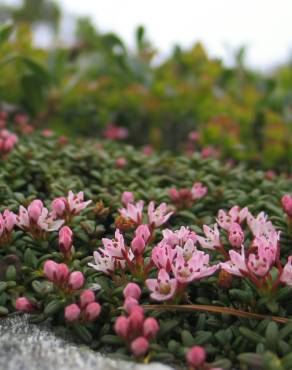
25 346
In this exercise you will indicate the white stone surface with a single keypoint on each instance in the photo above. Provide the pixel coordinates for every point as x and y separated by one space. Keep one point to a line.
25 346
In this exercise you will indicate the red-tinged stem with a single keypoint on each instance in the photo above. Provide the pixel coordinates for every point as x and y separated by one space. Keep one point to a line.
215 309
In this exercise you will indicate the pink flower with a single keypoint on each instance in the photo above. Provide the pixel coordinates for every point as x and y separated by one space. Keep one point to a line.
237 264
234 215
92 311
139 347
286 275
76 280
158 216
7 141
212 239
76 202
194 269
56 272
196 356
198 191
133 212
127 197
9 219
163 288
65 240
34 210
115 133
235 235
143 232
178 237
47 132
138 245
148 150
86 297
287 204
103 263
259 225
162 256
72 312
23 304
150 328
132 290
58 206
121 162
114 247
194 136
122 326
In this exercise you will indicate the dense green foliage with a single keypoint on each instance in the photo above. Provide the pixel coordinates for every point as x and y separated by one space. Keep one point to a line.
42 168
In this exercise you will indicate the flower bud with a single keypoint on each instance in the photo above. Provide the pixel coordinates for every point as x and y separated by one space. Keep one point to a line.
76 280
58 206
196 356
235 235
92 311
35 209
150 328
122 327
138 245
136 320
143 232
65 239
86 297
287 204
9 220
62 273
139 347
173 194
132 290
129 303
121 162
72 312
50 270
23 304
127 197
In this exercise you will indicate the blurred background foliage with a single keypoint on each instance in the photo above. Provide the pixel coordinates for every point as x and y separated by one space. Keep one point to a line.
78 89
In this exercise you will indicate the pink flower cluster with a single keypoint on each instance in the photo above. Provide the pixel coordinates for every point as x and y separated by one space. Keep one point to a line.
134 328
86 310
67 208
185 198
7 141
157 216
113 132
179 263
63 279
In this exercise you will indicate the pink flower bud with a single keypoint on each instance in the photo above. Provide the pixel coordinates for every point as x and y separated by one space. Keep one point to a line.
62 273
65 239
23 304
174 194
86 297
50 270
235 235
10 219
122 327
132 290
196 356
139 347
58 206
127 197
121 162
136 320
287 204
150 328
138 245
35 209
92 311
129 303
144 232
72 312
76 280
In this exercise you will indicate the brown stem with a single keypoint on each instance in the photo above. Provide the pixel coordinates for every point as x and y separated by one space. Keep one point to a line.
215 309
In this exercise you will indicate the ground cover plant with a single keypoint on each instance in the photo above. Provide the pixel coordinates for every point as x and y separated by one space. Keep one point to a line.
178 259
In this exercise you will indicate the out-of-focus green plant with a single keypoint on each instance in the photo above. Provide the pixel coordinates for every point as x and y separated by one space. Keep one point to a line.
80 89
